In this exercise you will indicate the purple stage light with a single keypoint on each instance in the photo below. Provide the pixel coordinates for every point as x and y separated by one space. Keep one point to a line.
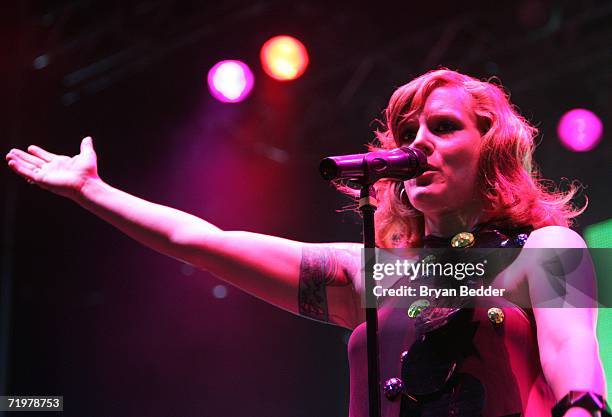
219 291
580 130
230 81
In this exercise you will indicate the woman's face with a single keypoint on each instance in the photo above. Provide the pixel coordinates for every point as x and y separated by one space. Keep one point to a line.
446 130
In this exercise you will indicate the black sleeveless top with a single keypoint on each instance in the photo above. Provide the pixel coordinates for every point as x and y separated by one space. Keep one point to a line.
479 359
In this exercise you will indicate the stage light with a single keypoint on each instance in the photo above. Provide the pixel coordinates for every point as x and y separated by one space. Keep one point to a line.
284 58
230 81
580 130
219 291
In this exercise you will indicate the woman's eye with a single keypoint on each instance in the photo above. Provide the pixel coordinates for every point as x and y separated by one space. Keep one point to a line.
408 136
446 127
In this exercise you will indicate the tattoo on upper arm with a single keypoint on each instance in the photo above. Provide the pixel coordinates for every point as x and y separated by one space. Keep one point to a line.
320 266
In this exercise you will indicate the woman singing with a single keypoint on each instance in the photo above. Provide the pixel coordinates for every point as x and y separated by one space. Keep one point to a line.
479 190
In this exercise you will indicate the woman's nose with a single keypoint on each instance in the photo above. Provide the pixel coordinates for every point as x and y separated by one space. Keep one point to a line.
423 141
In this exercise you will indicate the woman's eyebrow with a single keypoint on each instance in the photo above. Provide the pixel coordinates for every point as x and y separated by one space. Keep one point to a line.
443 113
408 120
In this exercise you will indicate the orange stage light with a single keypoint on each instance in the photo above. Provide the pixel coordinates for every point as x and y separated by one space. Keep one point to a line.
284 58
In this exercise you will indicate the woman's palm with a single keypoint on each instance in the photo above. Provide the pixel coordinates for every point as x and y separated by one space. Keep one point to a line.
60 174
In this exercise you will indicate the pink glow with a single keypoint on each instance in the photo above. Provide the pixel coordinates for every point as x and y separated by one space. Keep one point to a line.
580 130
230 81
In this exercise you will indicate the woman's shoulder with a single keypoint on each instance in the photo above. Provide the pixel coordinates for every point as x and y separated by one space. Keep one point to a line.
554 237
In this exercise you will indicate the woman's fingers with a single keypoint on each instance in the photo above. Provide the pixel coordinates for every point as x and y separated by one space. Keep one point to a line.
21 167
34 160
23 162
41 153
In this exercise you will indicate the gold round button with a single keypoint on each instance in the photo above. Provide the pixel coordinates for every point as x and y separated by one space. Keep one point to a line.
462 240
417 307
496 315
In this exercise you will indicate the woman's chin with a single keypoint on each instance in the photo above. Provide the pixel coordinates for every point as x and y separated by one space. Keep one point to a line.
434 199
425 199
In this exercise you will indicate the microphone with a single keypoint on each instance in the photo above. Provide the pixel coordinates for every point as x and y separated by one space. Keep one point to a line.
398 164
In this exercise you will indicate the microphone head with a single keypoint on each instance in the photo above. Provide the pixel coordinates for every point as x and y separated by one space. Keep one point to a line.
328 169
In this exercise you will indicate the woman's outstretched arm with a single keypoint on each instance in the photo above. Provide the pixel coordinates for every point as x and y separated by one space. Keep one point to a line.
315 280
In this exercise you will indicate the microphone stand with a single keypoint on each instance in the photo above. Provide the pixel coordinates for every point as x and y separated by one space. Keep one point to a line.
367 206
365 169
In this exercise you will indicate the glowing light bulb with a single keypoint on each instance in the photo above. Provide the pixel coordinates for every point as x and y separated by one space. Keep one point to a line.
580 130
284 58
230 81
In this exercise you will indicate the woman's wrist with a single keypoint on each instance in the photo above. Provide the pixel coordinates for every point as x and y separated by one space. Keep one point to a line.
86 189
581 404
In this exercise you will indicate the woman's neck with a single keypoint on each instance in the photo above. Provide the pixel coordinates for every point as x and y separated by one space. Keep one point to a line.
449 224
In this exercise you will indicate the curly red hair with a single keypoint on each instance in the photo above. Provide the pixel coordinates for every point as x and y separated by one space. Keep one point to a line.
514 192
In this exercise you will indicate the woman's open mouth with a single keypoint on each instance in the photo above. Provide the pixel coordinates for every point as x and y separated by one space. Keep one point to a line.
425 178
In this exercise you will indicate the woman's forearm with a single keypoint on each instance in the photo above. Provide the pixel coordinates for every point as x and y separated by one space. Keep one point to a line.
151 224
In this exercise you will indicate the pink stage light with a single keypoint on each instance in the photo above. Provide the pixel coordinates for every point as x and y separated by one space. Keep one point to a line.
284 58
230 81
580 130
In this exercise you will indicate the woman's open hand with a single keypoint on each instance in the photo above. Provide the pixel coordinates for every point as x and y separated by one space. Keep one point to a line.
60 174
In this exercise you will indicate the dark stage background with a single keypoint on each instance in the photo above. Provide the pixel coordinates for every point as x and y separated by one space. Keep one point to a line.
120 330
